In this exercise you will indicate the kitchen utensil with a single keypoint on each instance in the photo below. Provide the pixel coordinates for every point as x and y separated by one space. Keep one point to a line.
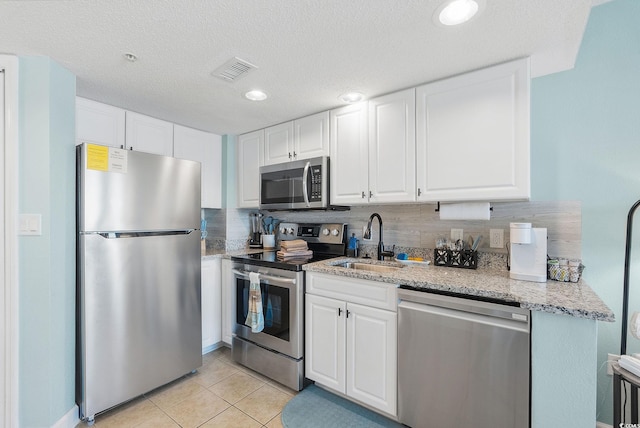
476 242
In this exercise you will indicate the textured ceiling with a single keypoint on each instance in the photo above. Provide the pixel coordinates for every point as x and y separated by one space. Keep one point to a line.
308 52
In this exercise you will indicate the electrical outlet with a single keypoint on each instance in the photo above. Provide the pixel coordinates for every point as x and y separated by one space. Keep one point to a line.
611 358
496 238
456 234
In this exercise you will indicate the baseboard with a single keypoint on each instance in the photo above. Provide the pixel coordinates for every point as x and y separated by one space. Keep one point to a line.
69 420
602 425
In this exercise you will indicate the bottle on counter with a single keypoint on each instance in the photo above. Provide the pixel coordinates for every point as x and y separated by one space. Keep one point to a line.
352 246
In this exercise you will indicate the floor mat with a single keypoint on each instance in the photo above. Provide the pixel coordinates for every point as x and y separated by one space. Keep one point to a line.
314 407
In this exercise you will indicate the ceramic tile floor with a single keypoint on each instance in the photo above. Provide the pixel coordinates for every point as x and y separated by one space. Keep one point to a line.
221 394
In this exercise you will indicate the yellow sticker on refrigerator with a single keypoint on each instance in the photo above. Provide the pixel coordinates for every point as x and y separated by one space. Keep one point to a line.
97 157
103 158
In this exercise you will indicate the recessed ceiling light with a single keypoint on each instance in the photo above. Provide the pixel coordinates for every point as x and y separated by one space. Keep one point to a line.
130 57
256 95
351 97
456 12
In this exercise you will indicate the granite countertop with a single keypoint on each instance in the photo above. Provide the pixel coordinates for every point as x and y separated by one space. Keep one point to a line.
574 299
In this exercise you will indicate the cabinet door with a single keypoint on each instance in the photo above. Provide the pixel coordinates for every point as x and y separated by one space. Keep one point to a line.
392 148
311 136
205 148
211 304
250 149
371 356
148 134
278 143
349 155
477 125
325 341
228 298
99 123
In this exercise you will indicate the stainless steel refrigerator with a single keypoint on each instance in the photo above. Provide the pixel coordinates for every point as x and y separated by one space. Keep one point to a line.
138 285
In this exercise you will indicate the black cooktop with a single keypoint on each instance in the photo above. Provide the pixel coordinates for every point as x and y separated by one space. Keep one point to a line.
326 240
270 259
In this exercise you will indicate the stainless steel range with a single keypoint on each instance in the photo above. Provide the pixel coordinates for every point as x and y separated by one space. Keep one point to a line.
278 351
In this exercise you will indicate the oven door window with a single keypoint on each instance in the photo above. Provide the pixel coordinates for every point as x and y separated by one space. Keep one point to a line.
282 187
275 307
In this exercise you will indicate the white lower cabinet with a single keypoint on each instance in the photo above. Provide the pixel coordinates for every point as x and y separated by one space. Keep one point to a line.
351 347
228 301
211 304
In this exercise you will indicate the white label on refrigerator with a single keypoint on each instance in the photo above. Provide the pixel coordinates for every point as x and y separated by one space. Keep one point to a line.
117 160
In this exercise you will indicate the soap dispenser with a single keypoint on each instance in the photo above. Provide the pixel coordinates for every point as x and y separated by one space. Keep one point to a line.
352 247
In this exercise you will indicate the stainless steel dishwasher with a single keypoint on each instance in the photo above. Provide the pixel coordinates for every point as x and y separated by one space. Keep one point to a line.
462 362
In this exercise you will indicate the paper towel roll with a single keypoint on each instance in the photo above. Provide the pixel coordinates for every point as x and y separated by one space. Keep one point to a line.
634 325
465 211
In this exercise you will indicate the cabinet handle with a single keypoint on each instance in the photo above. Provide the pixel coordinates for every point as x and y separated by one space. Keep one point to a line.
419 192
289 155
339 311
363 195
370 194
295 156
348 313
121 146
131 148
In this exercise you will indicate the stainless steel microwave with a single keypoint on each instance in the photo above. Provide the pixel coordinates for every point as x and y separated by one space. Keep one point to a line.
302 184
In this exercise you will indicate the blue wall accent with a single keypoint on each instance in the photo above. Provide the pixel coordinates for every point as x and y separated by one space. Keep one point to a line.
585 145
563 380
47 262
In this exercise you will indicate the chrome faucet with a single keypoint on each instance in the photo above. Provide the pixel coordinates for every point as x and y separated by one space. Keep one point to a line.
367 235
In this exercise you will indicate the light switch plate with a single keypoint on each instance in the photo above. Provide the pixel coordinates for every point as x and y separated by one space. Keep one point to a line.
30 224
457 234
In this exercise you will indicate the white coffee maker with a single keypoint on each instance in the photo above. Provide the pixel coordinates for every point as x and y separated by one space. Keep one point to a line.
528 248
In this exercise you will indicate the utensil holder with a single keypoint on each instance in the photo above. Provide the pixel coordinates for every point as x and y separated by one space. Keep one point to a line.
466 259
268 242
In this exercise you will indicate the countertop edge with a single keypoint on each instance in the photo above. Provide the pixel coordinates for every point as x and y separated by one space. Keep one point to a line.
572 299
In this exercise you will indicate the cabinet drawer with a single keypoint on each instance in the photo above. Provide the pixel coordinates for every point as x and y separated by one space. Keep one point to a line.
365 292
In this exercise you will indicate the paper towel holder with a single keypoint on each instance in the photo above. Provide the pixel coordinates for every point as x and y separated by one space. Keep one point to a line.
438 208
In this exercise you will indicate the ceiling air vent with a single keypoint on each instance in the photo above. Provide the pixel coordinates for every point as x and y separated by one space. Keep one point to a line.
233 69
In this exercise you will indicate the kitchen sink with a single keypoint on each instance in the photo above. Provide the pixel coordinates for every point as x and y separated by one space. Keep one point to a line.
369 267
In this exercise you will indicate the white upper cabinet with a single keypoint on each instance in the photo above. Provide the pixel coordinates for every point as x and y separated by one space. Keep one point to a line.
206 148
311 136
148 134
278 143
473 136
349 152
299 139
99 123
392 148
250 159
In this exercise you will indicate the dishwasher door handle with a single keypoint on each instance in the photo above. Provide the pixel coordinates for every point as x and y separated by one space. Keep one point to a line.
515 325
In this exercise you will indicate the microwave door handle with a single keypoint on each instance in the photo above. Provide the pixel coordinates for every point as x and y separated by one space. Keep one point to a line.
305 191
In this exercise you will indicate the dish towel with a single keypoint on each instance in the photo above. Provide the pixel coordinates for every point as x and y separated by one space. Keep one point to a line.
255 318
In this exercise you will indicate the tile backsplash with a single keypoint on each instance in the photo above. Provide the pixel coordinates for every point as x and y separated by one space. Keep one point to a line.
416 227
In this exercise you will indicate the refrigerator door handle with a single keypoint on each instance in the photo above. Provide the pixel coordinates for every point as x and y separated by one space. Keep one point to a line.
116 235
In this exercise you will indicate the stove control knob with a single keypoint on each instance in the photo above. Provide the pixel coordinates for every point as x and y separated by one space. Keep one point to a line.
290 230
335 232
325 232
283 230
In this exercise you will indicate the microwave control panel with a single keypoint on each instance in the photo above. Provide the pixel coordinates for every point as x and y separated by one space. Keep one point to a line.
316 184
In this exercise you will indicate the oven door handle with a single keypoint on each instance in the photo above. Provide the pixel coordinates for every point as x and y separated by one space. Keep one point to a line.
305 191
267 277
